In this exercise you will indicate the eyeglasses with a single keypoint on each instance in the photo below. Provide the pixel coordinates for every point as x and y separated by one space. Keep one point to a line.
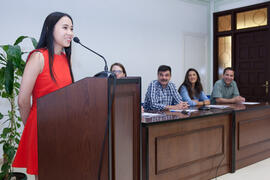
117 71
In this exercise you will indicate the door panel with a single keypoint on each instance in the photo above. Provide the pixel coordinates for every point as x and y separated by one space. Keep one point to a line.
251 64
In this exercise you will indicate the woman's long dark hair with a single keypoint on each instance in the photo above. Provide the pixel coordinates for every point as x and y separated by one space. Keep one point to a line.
198 86
46 40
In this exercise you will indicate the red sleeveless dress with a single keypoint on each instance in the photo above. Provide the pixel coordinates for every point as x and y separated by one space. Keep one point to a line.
27 155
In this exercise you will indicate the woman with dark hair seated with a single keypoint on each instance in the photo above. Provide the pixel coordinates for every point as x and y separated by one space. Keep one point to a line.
119 70
191 89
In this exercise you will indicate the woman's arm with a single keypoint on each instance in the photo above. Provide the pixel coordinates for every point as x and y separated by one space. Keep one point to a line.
205 100
185 96
33 67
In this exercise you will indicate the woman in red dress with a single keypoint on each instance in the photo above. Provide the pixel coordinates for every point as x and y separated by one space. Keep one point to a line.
48 68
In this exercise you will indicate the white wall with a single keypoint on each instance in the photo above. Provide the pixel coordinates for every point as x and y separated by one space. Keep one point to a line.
196 56
141 34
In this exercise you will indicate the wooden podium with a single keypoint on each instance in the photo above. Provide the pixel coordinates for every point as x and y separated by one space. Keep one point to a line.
71 128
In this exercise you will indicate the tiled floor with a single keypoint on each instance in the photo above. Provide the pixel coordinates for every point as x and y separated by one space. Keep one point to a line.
258 171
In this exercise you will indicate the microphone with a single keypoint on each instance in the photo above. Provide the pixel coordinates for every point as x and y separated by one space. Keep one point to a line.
104 73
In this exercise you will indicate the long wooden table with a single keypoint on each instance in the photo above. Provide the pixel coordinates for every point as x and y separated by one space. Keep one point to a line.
204 144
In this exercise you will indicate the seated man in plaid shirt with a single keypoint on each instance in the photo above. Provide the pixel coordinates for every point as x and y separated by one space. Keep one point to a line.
162 94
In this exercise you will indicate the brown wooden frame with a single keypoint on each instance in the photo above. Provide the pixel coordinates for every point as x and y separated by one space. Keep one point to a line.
71 127
174 145
233 32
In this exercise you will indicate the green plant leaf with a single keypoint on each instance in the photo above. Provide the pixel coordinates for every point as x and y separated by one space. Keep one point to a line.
34 42
17 85
14 54
6 131
18 64
20 69
19 119
19 72
5 95
5 167
18 125
18 134
11 152
3 136
9 77
2 75
17 92
2 58
5 47
17 140
11 69
2 174
20 39
1 54
5 147
10 50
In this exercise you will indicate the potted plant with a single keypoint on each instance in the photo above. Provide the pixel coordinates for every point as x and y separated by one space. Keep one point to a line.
11 70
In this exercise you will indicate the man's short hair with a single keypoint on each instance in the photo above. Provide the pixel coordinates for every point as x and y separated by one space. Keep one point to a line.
163 68
227 68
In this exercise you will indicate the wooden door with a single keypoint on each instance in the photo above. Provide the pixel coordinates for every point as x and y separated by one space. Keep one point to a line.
248 49
251 64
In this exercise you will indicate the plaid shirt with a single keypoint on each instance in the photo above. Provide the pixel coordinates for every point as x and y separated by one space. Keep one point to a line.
157 97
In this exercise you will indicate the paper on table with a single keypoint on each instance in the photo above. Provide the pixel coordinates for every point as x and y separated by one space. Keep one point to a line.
250 103
145 114
180 110
218 106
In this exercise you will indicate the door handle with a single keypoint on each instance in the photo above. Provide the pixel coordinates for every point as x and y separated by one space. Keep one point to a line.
266 85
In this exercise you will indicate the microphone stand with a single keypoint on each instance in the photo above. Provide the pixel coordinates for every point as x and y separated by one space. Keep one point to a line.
103 74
